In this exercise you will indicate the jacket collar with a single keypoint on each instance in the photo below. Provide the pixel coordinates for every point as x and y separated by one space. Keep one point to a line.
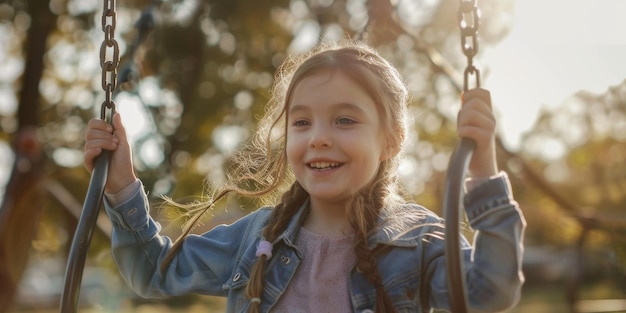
291 232
388 235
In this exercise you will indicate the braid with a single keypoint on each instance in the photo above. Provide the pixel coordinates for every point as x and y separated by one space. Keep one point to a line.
290 202
282 214
369 204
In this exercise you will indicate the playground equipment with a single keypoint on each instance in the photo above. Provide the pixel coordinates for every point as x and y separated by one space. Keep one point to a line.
469 20
82 237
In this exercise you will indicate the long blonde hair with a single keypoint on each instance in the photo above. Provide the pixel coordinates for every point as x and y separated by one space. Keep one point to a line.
262 169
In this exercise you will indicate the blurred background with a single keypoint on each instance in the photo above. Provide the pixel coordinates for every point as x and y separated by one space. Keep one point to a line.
198 73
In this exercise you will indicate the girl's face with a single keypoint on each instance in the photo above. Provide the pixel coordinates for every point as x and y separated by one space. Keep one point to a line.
335 141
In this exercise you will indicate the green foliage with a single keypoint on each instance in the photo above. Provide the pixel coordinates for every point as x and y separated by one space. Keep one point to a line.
204 74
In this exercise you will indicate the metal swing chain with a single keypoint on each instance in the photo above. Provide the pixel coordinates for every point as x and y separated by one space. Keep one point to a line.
109 61
469 21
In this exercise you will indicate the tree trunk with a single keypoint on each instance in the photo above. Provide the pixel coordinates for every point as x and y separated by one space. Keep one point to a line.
23 201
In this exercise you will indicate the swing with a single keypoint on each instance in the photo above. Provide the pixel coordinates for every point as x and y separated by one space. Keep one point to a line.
457 167
93 199
453 193
109 61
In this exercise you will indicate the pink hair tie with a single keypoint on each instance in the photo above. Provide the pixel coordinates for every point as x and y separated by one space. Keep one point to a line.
264 248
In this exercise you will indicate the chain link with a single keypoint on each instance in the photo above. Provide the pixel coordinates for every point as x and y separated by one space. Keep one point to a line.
469 20
109 56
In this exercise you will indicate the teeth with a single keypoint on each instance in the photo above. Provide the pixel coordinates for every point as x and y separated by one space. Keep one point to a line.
323 165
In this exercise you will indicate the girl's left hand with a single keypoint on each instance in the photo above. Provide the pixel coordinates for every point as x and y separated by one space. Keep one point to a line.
476 121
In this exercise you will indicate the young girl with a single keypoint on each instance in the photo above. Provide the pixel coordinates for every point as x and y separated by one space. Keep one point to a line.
340 239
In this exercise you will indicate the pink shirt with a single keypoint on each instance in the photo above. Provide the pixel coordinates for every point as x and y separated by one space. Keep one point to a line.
321 282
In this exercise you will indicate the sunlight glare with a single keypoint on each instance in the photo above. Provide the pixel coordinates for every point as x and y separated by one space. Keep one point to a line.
228 137
571 21
151 153
148 90
555 49
134 116
306 37
68 157
8 101
77 7
417 13
6 161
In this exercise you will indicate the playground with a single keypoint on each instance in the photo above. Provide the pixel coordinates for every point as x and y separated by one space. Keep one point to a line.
191 77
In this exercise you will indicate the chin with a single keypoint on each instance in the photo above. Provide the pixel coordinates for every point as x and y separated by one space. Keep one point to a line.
328 196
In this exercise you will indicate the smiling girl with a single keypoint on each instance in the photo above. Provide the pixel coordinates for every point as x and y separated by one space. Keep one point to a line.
340 239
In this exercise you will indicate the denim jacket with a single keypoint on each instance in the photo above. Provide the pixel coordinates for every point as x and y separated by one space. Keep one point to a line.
411 261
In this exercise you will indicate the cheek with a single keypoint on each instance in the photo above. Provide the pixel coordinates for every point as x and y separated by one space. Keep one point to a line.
291 151
368 161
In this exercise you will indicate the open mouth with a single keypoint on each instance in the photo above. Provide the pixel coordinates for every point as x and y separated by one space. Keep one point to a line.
321 166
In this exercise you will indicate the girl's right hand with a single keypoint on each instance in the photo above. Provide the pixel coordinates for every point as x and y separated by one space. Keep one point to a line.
100 136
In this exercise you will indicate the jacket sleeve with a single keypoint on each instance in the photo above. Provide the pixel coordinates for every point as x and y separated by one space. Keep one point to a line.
202 265
493 267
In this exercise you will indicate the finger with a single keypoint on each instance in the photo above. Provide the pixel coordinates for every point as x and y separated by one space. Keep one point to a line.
120 130
479 135
98 124
95 134
476 101
89 156
110 143
98 130
100 137
476 94
476 117
476 125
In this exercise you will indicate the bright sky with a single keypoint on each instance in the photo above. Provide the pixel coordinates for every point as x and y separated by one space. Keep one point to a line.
556 47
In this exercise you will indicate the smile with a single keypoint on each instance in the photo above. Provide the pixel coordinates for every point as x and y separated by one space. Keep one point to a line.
324 165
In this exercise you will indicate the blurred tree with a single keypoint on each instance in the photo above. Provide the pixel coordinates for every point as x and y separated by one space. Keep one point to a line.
572 186
23 202
202 76
579 149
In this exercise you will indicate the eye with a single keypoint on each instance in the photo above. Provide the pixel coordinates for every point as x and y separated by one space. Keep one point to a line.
300 123
345 121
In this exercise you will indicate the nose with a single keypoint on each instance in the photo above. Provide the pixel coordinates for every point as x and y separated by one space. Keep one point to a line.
321 137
